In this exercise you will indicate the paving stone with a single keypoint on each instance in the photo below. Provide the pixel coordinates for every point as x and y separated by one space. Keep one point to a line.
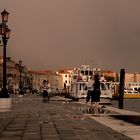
12 133
55 138
10 138
31 136
50 135
33 120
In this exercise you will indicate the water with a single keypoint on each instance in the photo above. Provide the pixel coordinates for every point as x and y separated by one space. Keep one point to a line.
129 104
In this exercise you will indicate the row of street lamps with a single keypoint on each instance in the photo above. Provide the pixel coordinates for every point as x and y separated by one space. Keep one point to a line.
5 33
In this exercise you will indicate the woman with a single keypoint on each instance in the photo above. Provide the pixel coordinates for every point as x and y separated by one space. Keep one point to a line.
95 97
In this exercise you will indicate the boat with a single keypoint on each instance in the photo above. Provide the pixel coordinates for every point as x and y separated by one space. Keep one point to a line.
131 90
79 79
131 94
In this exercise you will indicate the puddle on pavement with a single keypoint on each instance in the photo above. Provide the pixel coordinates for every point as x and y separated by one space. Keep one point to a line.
88 110
75 117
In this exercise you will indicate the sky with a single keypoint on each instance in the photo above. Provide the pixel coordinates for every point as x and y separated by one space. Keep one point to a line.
55 34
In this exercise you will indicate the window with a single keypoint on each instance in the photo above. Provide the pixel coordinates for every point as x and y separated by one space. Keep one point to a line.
90 73
86 72
80 86
65 81
65 75
82 72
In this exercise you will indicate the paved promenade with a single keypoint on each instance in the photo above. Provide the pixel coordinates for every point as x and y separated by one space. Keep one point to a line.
31 119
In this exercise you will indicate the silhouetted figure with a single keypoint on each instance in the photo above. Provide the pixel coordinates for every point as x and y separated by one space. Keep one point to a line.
44 90
48 90
96 93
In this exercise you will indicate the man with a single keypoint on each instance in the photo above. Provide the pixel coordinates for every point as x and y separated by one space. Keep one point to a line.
44 90
48 90
89 86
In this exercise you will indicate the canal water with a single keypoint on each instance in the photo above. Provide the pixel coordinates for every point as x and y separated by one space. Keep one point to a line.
128 104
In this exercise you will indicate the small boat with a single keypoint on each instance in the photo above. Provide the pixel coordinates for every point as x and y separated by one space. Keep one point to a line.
131 94
131 90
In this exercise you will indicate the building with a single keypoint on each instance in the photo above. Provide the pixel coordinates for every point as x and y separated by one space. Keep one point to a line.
36 79
12 73
132 77
66 78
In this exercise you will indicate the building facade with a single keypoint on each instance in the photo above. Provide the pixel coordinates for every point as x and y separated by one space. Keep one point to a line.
13 75
132 77
66 78
36 79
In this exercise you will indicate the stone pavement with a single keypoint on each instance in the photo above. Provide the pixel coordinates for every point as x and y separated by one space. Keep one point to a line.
31 119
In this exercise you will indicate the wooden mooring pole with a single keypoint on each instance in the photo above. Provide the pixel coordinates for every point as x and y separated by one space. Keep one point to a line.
121 88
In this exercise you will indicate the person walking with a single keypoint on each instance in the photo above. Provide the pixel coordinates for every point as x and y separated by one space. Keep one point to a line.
95 97
44 90
48 90
89 86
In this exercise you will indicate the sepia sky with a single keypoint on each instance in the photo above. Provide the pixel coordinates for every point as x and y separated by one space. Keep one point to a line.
53 34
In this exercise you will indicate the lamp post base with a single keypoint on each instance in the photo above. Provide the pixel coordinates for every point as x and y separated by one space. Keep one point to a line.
5 104
4 93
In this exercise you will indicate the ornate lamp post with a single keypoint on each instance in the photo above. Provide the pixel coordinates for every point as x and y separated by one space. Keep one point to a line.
5 33
20 77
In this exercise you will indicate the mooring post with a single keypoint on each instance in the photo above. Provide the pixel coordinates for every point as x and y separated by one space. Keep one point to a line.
121 88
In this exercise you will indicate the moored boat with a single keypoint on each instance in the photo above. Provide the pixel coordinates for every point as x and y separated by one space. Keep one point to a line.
79 80
131 90
131 96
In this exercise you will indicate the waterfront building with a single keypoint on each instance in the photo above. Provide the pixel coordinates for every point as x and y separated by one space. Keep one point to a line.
132 77
66 78
36 79
12 73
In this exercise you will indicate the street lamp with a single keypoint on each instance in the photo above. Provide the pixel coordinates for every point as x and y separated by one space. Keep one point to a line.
5 33
20 76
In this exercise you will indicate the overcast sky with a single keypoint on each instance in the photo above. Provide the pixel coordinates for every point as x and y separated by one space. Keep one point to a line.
51 34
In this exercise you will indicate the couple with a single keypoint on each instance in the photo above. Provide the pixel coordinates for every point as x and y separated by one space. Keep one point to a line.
46 90
93 86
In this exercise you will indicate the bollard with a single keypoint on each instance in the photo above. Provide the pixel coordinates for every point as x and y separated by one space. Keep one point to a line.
121 88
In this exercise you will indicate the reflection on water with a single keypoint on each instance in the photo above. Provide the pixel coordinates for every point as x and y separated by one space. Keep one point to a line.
129 118
129 104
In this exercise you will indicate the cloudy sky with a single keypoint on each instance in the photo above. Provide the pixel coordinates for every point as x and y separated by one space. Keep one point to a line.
51 34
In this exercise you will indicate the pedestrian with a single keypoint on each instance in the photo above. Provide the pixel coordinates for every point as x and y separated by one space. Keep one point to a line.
95 97
89 87
48 90
44 90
